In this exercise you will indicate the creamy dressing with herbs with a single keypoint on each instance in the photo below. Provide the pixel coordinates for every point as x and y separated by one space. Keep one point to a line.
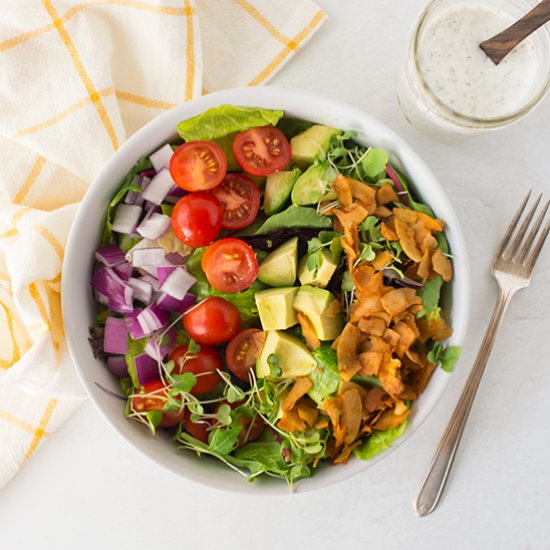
459 73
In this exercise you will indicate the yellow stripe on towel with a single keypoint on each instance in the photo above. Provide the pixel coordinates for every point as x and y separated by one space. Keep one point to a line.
265 23
86 80
190 55
30 179
33 291
16 351
47 234
144 101
14 421
292 45
40 432
26 36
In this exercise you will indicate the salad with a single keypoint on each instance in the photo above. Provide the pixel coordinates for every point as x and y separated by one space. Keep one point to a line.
268 292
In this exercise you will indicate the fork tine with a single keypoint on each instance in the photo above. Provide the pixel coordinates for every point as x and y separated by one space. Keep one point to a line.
523 229
538 247
512 226
533 233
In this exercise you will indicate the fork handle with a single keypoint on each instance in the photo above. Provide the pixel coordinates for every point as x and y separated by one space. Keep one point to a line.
436 476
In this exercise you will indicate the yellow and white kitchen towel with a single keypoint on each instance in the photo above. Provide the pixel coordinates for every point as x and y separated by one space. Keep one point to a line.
76 80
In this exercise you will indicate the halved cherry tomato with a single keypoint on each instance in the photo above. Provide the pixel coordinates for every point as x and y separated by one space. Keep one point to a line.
252 427
197 219
230 265
212 321
242 352
240 198
202 363
199 430
154 399
198 165
261 151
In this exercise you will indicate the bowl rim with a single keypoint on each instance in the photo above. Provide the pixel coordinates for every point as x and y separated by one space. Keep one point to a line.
323 109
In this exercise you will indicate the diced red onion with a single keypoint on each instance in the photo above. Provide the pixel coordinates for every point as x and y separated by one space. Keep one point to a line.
152 280
119 294
142 257
169 303
152 318
159 187
117 365
136 197
150 209
126 218
132 198
115 339
143 291
124 271
101 298
109 255
161 158
178 283
148 173
131 195
134 328
147 369
174 195
125 303
148 270
154 227
175 258
145 181
163 271
154 349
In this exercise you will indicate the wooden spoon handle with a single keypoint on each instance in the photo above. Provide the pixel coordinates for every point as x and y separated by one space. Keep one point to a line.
502 44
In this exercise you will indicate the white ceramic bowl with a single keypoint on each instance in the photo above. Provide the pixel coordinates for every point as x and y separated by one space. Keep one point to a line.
79 309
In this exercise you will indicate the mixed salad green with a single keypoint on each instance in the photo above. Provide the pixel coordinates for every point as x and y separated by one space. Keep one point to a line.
269 292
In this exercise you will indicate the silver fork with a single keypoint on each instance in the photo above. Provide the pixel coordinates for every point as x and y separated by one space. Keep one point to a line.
512 268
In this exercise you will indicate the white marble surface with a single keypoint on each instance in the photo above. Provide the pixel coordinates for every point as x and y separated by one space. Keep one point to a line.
88 489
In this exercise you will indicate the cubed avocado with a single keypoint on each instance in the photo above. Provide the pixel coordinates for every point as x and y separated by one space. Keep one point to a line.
293 359
311 144
317 277
313 303
279 267
275 307
314 184
277 190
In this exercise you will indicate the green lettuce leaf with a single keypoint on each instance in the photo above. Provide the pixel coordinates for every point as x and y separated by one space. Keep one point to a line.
325 377
142 164
244 301
293 216
430 294
225 143
293 126
379 441
442 242
226 119
418 206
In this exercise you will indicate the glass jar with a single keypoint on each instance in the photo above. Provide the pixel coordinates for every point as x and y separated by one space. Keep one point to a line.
448 87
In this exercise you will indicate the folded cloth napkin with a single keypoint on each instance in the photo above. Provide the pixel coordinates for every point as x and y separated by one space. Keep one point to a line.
76 80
